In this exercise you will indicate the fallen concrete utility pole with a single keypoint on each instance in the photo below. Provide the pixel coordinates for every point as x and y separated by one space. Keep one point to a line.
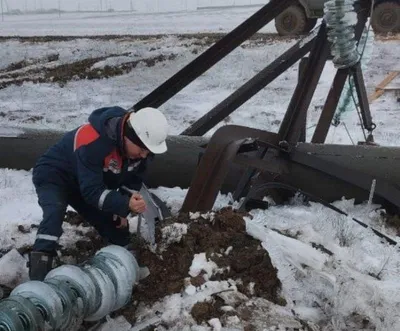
327 171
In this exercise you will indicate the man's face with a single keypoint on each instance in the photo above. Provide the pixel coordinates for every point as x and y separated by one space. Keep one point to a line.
133 151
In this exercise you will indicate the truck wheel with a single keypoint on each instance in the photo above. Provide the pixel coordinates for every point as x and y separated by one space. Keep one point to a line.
386 17
293 21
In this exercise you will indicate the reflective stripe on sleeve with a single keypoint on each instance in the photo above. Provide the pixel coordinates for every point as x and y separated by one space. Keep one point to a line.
103 198
47 237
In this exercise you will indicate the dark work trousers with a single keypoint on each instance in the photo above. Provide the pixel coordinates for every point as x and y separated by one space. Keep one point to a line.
54 199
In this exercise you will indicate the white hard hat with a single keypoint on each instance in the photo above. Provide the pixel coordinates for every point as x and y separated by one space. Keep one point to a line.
151 127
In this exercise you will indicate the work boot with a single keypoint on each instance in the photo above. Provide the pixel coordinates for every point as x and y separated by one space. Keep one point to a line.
40 263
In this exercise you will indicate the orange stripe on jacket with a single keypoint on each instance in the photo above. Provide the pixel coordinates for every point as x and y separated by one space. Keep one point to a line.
84 136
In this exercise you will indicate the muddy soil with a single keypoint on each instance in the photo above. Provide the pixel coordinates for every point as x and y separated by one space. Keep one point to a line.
224 240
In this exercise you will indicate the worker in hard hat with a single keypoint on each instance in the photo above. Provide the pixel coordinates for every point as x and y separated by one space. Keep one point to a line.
85 170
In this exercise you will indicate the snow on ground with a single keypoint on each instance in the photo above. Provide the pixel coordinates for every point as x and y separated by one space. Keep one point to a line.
333 271
72 24
356 273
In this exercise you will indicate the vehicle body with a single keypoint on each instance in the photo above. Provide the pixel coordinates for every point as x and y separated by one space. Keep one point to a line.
302 17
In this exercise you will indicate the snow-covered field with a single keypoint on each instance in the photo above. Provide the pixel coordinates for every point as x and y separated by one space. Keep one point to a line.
352 285
73 24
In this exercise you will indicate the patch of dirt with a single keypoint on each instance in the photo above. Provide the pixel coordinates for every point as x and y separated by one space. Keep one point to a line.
33 119
41 73
393 221
208 37
23 229
356 321
84 249
225 241
78 70
203 311
31 61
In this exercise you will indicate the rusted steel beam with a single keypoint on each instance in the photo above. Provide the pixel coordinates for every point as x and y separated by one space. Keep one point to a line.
214 54
294 119
302 70
331 103
252 87
204 189
362 97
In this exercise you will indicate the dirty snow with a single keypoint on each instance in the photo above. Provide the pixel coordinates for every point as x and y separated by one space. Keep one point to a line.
335 274
173 233
201 263
64 106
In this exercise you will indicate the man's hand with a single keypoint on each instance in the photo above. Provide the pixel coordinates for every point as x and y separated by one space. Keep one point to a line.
137 204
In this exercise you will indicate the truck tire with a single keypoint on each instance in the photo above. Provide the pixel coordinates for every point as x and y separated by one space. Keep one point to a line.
386 17
291 22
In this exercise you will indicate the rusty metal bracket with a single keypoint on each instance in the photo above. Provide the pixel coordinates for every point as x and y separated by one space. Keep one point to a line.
210 175
214 164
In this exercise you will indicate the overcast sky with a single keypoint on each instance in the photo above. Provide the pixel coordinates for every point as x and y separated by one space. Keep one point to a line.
96 5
